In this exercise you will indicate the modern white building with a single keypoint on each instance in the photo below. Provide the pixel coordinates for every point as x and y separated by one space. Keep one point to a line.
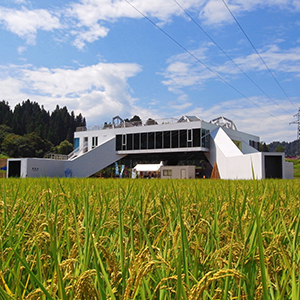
217 143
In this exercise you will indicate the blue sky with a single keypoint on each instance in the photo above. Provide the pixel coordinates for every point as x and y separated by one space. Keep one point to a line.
103 58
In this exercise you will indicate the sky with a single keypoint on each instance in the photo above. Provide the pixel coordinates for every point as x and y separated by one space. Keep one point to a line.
157 59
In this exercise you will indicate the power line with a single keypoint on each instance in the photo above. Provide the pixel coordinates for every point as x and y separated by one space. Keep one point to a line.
197 59
237 22
198 25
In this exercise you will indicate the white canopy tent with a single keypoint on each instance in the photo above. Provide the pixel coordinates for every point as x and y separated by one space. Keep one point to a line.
145 168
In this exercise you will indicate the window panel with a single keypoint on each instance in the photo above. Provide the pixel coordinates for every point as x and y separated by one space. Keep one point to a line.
167 172
174 134
167 139
189 135
137 141
144 140
150 140
158 140
196 137
129 141
183 138
119 142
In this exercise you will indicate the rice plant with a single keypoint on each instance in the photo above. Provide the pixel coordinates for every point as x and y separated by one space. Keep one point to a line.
149 239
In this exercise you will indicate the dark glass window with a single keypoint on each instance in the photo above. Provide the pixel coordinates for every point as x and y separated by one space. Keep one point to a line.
183 138
196 137
129 141
136 142
202 137
205 138
123 139
158 140
144 140
150 140
167 139
119 142
189 135
174 134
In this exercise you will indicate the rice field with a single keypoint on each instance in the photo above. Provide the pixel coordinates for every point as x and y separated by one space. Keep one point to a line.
149 239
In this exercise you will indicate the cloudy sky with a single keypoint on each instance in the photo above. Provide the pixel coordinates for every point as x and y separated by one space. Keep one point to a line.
160 59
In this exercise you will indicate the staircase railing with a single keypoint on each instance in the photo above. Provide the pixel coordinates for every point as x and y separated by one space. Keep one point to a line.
78 151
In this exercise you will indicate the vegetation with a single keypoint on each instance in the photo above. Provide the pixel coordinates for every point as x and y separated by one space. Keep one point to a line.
29 122
291 149
149 239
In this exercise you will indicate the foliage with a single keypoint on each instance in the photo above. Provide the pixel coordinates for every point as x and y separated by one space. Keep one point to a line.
65 147
31 131
291 149
4 131
29 117
263 147
279 148
29 145
149 239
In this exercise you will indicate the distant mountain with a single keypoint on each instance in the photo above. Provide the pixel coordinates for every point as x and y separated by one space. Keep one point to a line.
291 149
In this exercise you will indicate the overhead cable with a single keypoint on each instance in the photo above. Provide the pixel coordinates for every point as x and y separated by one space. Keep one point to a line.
197 59
185 11
247 37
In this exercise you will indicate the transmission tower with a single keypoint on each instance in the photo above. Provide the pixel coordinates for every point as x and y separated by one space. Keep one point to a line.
297 115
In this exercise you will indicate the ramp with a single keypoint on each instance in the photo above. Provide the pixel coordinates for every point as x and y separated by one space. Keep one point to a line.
93 161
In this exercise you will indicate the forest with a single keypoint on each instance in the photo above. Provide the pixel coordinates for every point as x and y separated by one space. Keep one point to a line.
30 131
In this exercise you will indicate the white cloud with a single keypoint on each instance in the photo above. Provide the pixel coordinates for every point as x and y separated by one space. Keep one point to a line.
21 49
252 119
88 20
276 59
20 1
99 91
184 71
215 12
25 23
89 36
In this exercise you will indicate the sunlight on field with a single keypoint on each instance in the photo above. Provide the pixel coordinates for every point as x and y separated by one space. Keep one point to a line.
149 239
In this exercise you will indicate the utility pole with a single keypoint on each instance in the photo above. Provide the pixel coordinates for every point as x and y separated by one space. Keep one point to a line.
298 123
297 115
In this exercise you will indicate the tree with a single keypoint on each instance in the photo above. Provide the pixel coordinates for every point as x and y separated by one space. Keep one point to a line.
14 145
5 113
65 147
263 147
29 145
29 117
40 147
279 148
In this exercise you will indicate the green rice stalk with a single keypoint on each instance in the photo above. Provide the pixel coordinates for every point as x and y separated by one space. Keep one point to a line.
32 275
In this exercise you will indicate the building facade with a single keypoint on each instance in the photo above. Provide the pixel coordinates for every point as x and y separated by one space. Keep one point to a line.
217 143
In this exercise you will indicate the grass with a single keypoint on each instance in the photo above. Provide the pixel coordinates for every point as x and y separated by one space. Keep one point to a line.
149 239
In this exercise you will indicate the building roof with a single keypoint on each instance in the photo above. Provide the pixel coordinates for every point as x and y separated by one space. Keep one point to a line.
188 119
147 167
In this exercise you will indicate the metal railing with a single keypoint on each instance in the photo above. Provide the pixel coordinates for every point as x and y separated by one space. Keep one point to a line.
78 151
69 156
149 122
56 156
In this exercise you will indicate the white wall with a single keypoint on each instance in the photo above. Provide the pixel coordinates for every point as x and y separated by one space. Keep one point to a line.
176 172
288 170
94 160
233 164
39 167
